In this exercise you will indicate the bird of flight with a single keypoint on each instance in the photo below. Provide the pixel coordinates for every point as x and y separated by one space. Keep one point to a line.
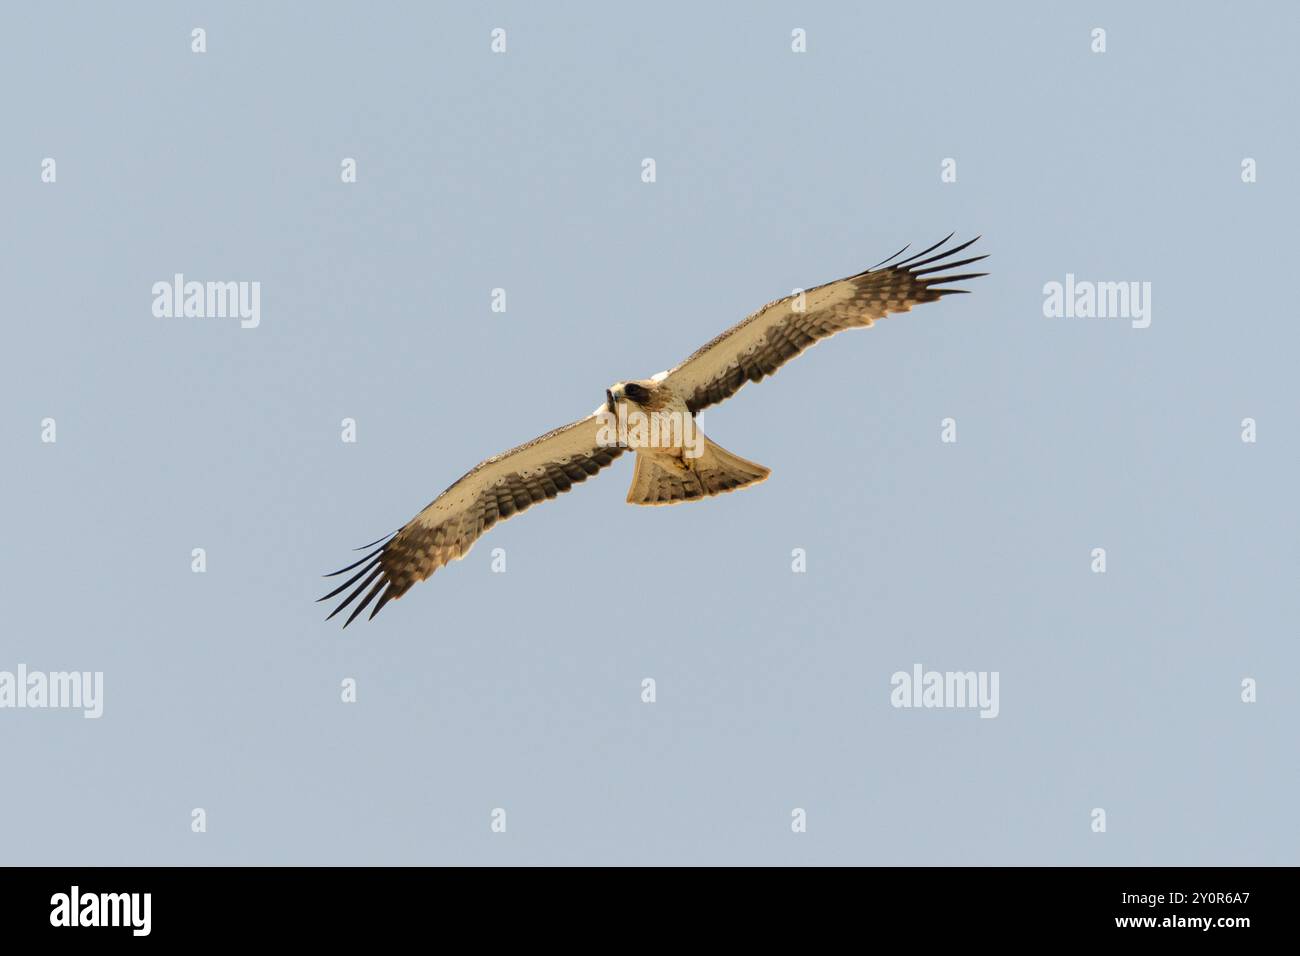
655 417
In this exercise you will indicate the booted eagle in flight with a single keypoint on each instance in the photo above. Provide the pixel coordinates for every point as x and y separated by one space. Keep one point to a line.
655 417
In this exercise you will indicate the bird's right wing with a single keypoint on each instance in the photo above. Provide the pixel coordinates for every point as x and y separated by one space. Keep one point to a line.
493 491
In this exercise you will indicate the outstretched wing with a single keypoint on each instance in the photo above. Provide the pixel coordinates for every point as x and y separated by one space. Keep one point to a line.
496 489
779 331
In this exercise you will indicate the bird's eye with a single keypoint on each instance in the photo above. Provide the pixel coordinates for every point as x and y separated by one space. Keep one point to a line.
636 393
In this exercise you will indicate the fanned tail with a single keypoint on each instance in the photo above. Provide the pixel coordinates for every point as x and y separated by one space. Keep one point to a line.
667 481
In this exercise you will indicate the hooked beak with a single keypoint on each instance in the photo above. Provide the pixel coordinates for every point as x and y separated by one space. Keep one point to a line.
609 402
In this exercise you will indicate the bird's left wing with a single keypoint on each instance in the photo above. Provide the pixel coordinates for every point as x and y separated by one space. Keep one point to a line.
493 491
779 331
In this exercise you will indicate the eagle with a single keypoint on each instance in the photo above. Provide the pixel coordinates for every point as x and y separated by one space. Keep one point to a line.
655 418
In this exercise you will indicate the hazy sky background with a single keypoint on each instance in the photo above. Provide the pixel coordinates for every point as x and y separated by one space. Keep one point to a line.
522 690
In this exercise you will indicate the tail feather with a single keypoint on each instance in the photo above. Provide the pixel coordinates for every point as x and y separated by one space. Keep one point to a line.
667 481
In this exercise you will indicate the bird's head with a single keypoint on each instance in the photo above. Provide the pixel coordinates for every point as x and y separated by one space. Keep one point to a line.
637 394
